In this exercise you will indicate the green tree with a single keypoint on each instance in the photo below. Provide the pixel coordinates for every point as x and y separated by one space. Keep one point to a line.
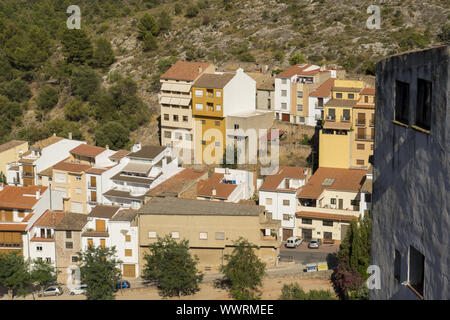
147 25
103 53
295 292
16 90
75 110
279 55
243 270
172 268
77 47
149 42
113 134
444 36
42 273
164 21
14 273
297 59
84 82
99 271
3 178
47 98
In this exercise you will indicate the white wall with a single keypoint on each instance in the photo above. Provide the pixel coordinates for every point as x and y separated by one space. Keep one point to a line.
239 94
278 209
118 240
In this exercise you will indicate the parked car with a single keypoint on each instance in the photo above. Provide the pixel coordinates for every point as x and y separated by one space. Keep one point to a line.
122 285
51 291
293 242
314 244
78 290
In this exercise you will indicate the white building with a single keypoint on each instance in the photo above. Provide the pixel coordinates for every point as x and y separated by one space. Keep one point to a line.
278 194
227 185
317 100
109 226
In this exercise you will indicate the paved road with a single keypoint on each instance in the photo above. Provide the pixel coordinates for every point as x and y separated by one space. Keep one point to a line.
303 255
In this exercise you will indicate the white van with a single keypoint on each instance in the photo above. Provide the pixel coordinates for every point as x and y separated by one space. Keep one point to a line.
293 242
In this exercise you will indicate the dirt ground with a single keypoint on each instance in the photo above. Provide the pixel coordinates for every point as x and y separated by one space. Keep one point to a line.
271 291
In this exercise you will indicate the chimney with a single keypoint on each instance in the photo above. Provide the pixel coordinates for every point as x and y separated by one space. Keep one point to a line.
38 194
70 135
200 69
107 147
214 191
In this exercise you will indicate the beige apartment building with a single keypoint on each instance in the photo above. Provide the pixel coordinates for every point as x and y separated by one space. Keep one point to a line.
175 99
364 126
210 226
68 244
265 90
10 152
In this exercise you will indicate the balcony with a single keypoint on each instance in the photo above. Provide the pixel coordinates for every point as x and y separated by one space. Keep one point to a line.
364 137
11 244
361 123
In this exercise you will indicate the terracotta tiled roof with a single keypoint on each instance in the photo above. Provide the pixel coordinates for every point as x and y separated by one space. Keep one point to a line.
20 197
298 69
347 89
326 216
177 183
147 152
72 221
106 212
272 182
87 150
364 106
12 227
37 239
96 170
28 217
263 81
324 90
49 219
344 180
216 81
341 103
368 91
46 142
71 167
184 70
11 144
47 172
119 154
124 215
95 234
223 190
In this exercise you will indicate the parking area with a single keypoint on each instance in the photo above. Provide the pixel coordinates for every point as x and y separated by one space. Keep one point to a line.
304 255
322 248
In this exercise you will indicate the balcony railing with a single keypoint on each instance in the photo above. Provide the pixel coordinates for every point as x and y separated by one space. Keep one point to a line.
27 175
361 122
11 245
364 137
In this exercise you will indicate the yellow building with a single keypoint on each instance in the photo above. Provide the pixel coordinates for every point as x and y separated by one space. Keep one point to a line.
364 125
10 152
336 136
207 111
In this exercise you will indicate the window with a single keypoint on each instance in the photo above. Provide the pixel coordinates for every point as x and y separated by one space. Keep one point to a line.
397 265
203 142
78 178
152 234
68 234
285 202
360 162
351 96
203 235
285 217
90 242
217 144
302 119
60 178
299 94
38 248
283 93
203 121
236 127
185 118
175 117
269 201
128 252
371 146
327 223
166 117
328 235
178 136
333 200
49 260
127 238
401 102
69 245
338 95
218 94
167 134
331 114
199 93
218 107
299 107
199 106
368 197
220 235
416 270
74 259
366 99
175 235
360 146
284 106
306 221
217 123
188 137
423 107
346 115
283 81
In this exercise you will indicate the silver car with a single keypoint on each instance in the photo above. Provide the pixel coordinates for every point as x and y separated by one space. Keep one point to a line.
314 244
52 291
293 242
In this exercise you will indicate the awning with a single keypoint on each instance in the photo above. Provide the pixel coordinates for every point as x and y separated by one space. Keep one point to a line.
165 100
137 168
167 87
185 102
337 125
183 88
175 101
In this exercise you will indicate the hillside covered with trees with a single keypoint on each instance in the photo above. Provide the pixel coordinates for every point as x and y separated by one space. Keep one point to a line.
100 82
